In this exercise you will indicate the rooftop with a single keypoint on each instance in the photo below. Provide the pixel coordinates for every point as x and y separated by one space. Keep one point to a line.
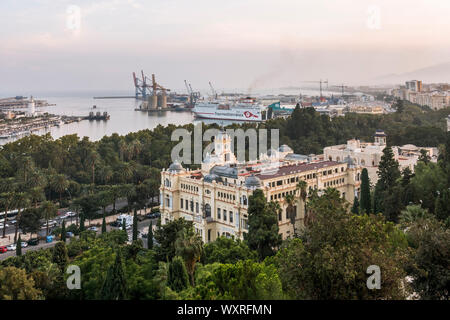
297 168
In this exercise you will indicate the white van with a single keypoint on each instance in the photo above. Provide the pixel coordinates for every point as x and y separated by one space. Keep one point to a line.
128 220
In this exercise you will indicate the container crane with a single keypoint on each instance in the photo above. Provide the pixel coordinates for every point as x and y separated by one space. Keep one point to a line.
214 93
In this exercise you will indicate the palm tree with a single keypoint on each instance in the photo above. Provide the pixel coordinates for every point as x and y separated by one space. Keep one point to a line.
7 202
21 201
59 184
135 148
49 211
189 246
105 174
36 179
25 168
125 172
116 192
302 185
104 199
411 214
36 195
129 192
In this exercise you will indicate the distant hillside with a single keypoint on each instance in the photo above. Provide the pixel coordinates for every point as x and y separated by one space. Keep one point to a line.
434 74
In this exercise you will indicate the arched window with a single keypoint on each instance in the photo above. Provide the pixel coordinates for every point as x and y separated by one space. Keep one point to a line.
363 162
338 158
207 210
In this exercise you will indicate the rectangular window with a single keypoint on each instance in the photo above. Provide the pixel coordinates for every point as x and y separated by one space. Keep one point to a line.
231 216
225 215
192 206
187 204
196 207
181 203
279 182
218 213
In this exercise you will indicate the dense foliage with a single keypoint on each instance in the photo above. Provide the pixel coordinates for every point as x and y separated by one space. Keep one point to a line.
401 224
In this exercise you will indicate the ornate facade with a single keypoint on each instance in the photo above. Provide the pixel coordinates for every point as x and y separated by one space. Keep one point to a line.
215 197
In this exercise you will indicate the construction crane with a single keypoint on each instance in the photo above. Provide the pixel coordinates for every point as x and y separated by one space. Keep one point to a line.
320 84
342 88
213 91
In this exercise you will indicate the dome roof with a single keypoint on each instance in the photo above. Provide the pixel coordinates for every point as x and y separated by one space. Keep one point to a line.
175 166
212 177
285 148
252 182
410 147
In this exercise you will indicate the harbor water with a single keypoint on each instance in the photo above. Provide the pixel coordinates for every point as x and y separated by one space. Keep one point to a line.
123 117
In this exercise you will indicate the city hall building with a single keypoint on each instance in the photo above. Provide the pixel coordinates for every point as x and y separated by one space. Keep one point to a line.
215 197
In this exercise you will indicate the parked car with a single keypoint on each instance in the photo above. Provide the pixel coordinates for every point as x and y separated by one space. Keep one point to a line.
11 247
33 242
13 221
3 249
24 244
69 234
153 215
93 228
2 225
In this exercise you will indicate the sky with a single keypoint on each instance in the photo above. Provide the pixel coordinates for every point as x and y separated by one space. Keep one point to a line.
49 45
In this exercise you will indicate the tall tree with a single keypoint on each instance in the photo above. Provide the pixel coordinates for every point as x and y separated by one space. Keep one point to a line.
21 202
135 225
19 247
150 236
60 256
387 190
7 202
302 186
115 285
290 210
189 246
49 211
104 224
355 207
263 233
366 203
178 278
63 231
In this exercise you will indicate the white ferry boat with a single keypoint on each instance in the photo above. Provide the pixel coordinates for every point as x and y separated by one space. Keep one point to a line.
243 110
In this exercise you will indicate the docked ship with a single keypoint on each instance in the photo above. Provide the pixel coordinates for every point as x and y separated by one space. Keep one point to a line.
242 110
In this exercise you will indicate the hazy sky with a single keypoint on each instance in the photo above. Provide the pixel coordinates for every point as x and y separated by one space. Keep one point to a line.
45 45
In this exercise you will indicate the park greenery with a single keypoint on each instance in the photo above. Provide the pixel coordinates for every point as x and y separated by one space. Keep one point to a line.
400 223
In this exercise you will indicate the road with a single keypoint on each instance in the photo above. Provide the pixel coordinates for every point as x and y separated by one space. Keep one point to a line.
142 227
10 230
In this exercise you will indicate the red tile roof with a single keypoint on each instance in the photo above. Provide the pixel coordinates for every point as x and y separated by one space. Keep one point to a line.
297 168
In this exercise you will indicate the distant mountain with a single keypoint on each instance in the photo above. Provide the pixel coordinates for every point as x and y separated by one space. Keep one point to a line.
434 74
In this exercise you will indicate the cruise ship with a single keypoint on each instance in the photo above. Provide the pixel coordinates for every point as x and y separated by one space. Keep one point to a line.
242 110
